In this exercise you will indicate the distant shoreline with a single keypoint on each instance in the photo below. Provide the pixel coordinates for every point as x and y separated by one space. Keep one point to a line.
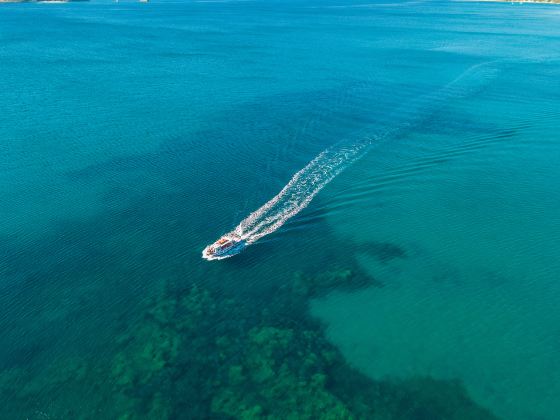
41 1
518 1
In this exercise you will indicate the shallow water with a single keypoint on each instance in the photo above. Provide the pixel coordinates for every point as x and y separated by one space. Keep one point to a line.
420 282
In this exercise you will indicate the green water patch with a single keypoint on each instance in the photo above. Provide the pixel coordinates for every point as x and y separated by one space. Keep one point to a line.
475 298
194 353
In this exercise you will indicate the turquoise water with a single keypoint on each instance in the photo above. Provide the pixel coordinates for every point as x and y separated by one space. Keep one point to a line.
419 283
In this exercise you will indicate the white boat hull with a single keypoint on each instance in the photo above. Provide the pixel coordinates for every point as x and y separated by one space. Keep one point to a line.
230 252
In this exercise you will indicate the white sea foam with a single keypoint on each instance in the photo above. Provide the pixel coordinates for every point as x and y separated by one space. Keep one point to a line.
300 190
306 184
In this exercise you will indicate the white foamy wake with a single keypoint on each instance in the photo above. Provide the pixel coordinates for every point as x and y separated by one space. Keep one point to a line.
301 189
306 184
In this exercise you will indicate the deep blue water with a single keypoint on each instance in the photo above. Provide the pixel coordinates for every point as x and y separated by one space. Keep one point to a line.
420 282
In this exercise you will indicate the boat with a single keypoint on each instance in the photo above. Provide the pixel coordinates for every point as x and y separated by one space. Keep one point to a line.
227 246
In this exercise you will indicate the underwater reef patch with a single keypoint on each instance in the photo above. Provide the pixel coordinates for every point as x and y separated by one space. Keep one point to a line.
197 354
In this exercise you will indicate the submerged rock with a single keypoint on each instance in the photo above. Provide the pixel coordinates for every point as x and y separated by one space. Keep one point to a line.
280 377
315 285
190 357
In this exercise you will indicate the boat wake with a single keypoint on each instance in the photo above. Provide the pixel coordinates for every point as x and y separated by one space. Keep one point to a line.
300 190
309 181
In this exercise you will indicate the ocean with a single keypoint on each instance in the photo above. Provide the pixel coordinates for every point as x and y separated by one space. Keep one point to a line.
406 264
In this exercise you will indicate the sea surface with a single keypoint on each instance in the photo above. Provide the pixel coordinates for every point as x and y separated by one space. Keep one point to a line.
410 271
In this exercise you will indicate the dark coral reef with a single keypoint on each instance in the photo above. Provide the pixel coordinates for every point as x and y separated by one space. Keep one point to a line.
194 354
